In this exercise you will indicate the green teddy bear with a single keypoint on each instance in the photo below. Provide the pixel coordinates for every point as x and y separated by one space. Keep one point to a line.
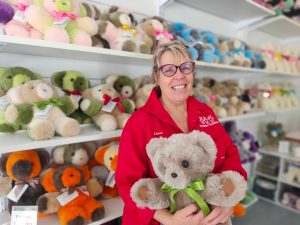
14 76
125 87
9 78
73 83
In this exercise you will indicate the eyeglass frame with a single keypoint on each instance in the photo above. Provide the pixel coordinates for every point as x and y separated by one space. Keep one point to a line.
193 68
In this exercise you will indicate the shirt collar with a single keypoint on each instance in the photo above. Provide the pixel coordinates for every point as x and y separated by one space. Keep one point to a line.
155 107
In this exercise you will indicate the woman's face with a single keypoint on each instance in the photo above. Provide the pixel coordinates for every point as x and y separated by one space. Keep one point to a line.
177 88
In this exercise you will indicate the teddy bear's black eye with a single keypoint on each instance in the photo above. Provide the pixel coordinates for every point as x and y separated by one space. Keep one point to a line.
185 163
73 154
110 158
120 86
99 90
72 79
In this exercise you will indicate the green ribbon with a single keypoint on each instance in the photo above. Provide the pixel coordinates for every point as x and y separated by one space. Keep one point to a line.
190 190
51 101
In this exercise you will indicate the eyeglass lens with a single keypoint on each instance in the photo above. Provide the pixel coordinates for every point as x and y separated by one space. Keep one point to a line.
170 69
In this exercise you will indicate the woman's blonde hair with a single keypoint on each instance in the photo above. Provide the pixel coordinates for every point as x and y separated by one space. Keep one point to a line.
175 47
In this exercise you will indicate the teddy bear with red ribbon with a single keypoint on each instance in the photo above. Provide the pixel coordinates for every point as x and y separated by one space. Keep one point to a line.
108 110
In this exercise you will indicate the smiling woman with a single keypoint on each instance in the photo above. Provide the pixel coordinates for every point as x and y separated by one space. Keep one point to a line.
171 110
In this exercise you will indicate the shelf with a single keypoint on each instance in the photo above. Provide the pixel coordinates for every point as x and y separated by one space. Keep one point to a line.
280 27
10 44
266 176
278 154
20 140
242 117
113 210
286 207
280 110
293 184
215 67
247 10
26 46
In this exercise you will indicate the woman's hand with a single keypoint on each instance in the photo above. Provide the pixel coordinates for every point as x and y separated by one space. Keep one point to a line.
218 215
189 215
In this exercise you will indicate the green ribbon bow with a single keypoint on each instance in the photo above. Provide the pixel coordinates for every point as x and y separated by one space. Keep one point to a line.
51 101
190 190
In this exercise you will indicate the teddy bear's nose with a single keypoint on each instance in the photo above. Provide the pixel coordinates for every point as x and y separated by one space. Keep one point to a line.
174 175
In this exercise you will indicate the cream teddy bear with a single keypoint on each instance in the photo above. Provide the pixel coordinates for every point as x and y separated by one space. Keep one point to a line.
43 108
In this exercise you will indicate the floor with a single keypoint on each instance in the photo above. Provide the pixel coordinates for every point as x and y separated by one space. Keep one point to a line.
266 213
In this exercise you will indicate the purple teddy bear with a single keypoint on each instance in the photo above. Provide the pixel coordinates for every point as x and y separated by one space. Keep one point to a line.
6 14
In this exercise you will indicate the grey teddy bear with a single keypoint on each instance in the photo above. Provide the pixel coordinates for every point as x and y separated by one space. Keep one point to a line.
179 161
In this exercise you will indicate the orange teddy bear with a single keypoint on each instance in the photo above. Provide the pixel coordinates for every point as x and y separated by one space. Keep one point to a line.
68 180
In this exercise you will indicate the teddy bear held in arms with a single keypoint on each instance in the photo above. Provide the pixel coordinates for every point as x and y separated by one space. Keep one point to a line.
183 163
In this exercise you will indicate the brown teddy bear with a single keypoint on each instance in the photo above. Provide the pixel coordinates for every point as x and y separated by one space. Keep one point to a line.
68 180
182 162
24 167
43 108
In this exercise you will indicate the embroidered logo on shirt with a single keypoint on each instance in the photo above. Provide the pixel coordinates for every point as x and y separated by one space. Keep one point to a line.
207 121
158 133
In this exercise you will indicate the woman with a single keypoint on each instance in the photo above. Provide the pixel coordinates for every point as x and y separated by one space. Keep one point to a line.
170 109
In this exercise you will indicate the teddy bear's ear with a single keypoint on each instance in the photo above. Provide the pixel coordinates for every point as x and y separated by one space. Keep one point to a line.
99 155
3 161
154 145
57 78
204 141
111 79
44 157
57 154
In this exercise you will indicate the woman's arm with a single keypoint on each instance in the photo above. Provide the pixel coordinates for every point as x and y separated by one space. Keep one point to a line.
132 165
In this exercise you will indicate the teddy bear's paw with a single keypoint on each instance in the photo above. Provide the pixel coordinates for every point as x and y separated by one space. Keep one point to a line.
107 122
122 120
11 114
213 189
67 127
41 129
140 193
234 187
47 203
74 100
98 214
145 48
129 46
85 104
146 193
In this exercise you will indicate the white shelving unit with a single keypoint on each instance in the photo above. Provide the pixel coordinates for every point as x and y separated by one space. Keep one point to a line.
279 180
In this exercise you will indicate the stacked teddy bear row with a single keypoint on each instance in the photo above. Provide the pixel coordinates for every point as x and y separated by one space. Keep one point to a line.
84 171
289 8
82 23
45 108
59 107
227 98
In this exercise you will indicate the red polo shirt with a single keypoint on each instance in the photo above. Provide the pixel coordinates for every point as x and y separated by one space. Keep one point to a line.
152 121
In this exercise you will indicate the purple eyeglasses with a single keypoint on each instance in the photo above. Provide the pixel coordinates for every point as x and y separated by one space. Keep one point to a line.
170 69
